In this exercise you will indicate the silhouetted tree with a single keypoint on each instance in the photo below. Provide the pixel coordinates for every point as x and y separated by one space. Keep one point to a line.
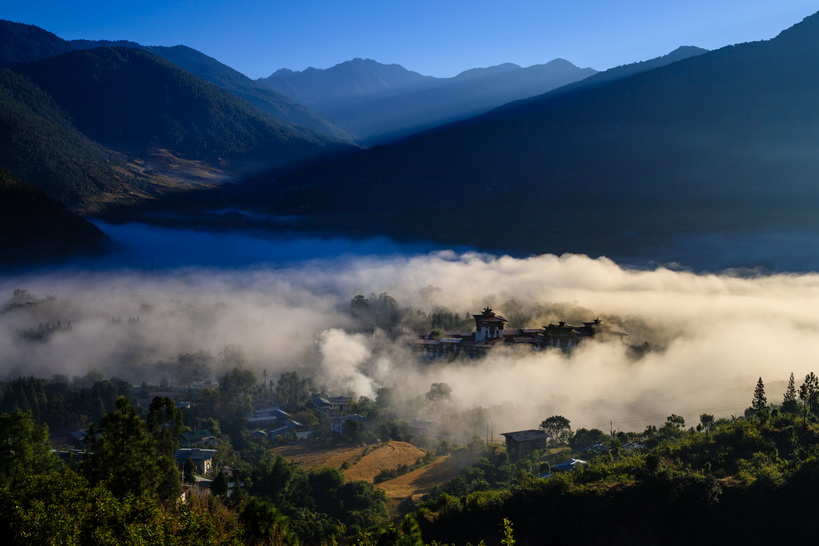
675 421
809 393
760 402
706 421
789 403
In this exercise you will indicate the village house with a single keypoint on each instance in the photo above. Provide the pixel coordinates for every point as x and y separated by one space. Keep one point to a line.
337 423
332 404
199 438
490 333
420 427
272 422
522 443
202 459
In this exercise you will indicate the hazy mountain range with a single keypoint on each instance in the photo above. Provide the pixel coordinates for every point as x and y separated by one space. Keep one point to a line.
378 103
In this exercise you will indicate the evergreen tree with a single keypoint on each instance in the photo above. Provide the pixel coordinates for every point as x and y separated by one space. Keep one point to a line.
126 458
789 401
809 393
760 402
188 472
24 447
220 485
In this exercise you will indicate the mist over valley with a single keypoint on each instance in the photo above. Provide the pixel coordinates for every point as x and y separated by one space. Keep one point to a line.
711 334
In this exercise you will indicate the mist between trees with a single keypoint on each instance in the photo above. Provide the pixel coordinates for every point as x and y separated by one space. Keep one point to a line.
711 335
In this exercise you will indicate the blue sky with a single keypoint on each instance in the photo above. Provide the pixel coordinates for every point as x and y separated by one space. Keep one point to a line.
439 38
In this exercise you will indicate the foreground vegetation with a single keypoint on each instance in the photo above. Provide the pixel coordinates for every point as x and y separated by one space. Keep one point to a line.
750 480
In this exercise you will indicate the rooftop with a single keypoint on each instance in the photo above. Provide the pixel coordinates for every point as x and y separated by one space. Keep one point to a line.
526 435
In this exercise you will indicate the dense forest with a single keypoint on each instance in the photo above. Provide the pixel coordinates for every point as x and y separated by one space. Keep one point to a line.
749 479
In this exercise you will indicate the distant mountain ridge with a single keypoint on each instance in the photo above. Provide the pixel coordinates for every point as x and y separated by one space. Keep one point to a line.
600 78
209 69
378 102
350 80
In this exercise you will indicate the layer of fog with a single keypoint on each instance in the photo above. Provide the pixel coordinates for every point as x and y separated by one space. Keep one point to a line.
713 335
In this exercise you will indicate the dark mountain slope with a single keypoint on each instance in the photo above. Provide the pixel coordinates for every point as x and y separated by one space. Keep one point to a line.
34 227
209 69
39 143
378 102
600 78
720 141
132 100
22 44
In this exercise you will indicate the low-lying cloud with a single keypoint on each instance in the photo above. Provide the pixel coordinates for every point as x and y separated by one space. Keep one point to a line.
713 335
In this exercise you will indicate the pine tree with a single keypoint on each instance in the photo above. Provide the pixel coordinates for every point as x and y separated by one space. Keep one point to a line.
789 401
809 393
760 402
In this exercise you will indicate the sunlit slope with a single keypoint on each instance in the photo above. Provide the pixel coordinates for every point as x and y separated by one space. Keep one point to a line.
721 141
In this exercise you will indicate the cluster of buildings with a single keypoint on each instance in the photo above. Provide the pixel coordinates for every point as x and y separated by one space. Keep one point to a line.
490 333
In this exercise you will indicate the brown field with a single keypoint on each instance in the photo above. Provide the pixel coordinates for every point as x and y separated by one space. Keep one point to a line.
419 482
366 462
310 456
385 457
